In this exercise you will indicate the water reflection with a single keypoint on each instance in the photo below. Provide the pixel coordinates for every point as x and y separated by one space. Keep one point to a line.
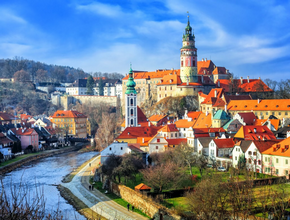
46 174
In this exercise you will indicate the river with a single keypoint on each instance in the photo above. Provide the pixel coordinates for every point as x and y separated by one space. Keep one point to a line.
46 173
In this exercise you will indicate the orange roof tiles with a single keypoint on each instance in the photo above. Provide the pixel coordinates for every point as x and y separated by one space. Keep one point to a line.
142 186
68 114
184 123
260 105
156 118
25 132
143 141
219 70
170 80
214 93
153 74
279 149
274 122
193 115
203 121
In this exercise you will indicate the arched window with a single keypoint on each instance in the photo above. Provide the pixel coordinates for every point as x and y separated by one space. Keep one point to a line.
131 101
132 122
132 112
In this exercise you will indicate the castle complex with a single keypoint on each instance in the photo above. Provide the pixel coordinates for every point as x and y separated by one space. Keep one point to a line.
192 77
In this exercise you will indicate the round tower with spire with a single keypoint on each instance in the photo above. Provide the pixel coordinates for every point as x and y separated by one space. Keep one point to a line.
188 56
131 117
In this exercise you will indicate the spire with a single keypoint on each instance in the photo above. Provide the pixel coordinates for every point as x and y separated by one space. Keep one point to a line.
130 84
188 31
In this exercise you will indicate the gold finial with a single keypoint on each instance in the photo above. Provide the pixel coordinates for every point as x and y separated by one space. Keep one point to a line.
187 14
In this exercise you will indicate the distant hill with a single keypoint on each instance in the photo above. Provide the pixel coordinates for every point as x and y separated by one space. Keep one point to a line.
41 72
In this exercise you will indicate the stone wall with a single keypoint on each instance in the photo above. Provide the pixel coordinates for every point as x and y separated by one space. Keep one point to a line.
143 203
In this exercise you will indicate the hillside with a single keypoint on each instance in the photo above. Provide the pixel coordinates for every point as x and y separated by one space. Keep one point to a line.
171 105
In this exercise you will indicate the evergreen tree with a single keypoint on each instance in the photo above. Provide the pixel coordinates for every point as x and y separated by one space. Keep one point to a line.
101 87
90 86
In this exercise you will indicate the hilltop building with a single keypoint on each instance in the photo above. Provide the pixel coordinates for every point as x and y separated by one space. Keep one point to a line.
192 77
73 123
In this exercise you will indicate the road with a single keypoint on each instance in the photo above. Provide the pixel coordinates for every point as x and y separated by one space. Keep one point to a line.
97 201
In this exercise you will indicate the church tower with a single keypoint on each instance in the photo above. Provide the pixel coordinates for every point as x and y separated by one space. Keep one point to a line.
131 119
188 56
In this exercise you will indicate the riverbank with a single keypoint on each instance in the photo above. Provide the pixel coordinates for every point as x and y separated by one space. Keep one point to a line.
12 166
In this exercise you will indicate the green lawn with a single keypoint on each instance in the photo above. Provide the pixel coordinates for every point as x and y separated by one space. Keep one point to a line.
131 183
17 158
178 202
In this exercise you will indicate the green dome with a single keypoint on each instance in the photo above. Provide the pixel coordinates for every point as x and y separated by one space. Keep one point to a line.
130 84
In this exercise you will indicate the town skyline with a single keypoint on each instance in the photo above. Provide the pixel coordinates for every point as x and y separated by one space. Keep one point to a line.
248 38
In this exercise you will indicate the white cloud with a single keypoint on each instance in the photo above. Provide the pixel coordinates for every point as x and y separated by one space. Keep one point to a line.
102 9
9 16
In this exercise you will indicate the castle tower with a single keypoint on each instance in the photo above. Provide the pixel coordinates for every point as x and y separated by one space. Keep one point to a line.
131 102
188 56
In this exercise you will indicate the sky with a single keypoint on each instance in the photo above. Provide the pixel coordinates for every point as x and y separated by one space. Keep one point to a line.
248 37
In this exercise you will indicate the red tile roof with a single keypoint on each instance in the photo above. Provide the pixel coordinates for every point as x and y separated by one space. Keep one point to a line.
224 143
265 145
25 132
248 117
156 118
135 132
193 115
176 141
251 85
251 132
152 75
214 93
184 123
169 128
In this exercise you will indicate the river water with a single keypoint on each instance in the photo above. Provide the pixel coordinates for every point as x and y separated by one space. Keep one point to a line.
45 174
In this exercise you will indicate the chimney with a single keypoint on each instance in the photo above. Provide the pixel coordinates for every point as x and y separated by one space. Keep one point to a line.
226 108
241 80
259 101
202 59
259 78
148 123
288 134
205 59
202 78
219 84
215 93
255 130
143 140
206 113
248 78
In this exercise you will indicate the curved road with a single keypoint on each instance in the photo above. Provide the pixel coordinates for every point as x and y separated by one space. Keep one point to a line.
97 201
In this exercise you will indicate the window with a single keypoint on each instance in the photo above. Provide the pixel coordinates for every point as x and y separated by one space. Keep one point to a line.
110 148
277 171
156 147
249 161
121 148
277 160
158 140
286 172
171 135
259 162
131 101
250 152
175 134
254 153
236 158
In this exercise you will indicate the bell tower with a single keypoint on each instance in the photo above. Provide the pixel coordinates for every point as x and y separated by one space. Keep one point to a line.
188 56
131 119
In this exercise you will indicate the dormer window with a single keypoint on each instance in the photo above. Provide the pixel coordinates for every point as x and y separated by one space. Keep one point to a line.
266 106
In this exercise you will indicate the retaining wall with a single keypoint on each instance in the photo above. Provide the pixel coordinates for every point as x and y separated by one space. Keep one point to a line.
143 203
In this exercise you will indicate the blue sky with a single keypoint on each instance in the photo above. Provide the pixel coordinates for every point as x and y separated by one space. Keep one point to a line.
248 37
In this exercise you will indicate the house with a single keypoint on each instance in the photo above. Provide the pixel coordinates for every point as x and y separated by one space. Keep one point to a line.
157 144
232 126
220 150
251 132
27 136
118 149
276 160
73 123
130 134
6 118
282 133
169 131
202 146
220 118
160 120
272 124
246 118
239 150
262 108
253 155
254 87
43 122
6 146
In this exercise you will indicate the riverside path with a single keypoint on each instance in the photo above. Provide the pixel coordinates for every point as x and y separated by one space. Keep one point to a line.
95 200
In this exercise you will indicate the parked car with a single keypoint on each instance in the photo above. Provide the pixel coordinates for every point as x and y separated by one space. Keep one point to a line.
222 169
209 166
